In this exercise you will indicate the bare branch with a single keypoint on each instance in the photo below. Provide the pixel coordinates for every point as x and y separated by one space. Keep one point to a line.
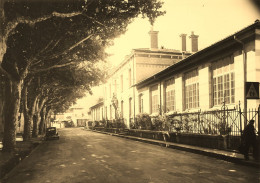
52 67
12 25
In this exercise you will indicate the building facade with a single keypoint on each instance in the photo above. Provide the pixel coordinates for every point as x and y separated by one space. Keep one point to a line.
121 98
207 79
97 112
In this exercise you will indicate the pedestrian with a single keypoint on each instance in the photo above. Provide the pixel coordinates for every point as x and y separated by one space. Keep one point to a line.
249 140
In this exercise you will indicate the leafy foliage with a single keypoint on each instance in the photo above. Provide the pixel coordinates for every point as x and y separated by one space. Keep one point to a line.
142 121
58 44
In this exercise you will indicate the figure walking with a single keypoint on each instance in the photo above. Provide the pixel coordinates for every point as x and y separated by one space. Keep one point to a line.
249 140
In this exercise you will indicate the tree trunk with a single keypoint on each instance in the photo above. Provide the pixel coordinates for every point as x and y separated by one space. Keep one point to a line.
27 116
42 121
11 110
27 126
35 124
47 117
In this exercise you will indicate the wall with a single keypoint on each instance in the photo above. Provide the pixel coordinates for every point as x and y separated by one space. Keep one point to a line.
201 140
206 82
147 65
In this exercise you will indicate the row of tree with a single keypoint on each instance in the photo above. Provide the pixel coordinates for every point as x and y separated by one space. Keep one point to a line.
50 53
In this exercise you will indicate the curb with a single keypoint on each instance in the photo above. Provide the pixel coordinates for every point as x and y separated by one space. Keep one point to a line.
188 149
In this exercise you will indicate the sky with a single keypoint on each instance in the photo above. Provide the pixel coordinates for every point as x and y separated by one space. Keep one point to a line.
212 20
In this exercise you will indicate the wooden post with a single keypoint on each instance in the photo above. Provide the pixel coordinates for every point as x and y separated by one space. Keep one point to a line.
258 121
240 119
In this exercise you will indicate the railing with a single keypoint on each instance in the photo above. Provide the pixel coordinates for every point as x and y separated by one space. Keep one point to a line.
223 122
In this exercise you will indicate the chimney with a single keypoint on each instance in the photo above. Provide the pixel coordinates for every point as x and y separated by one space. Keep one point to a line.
154 38
194 42
183 42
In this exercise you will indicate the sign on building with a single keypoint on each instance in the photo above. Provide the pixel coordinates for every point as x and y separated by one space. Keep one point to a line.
252 90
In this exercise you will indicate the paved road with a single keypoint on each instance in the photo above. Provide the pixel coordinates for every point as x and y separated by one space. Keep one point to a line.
87 157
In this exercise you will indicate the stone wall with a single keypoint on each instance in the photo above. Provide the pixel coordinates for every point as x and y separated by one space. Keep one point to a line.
200 140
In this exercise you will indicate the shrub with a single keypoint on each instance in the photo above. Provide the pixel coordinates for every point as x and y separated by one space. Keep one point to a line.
143 121
163 123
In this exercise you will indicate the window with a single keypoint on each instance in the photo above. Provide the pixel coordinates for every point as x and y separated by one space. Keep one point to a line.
130 77
130 107
169 95
191 89
110 112
102 113
141 103
122 109
98 114
106 112
122 83
154 99
105 93
223 81
110 92
115 90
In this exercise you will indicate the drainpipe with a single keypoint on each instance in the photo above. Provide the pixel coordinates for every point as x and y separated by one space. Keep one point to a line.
160 98
134 85
245 76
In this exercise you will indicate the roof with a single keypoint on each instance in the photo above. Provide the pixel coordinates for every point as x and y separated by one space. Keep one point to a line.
97 105
146 51
227 42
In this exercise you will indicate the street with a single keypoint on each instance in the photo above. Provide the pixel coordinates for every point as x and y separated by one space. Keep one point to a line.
85 156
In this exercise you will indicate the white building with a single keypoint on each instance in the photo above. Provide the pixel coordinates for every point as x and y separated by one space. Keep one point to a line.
204 80
121 98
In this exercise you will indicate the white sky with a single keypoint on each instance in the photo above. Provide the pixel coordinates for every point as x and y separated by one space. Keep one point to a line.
212 20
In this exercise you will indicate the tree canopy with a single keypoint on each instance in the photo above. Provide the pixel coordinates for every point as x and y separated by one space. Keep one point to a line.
58 42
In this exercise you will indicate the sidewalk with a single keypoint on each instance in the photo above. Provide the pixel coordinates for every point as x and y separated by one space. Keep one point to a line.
231 156
9 160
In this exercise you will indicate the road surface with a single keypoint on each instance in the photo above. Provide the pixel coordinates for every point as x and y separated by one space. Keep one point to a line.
90 157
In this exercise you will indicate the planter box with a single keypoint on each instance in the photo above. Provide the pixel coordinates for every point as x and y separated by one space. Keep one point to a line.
201 140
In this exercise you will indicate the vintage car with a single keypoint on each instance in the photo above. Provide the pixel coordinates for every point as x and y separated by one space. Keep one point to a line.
51 133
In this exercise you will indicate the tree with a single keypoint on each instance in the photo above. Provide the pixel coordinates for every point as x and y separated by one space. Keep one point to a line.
39 36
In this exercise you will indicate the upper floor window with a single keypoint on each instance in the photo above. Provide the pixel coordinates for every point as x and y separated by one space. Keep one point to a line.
154 99
223 81
130 77
191 81
110 90
105 94
169 95
122 83
115 89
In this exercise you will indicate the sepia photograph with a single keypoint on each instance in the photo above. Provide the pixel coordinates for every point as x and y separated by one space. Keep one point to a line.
129 91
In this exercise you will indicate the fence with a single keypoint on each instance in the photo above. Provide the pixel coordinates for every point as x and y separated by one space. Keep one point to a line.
223 122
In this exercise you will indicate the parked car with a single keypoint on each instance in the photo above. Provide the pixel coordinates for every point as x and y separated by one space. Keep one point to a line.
51 133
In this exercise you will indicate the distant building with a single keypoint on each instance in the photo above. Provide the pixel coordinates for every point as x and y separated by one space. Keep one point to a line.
76 114
97 111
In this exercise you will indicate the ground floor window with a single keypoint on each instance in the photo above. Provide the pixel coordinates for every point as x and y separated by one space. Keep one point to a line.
154 99
169 95
191 89
223 81
141 103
